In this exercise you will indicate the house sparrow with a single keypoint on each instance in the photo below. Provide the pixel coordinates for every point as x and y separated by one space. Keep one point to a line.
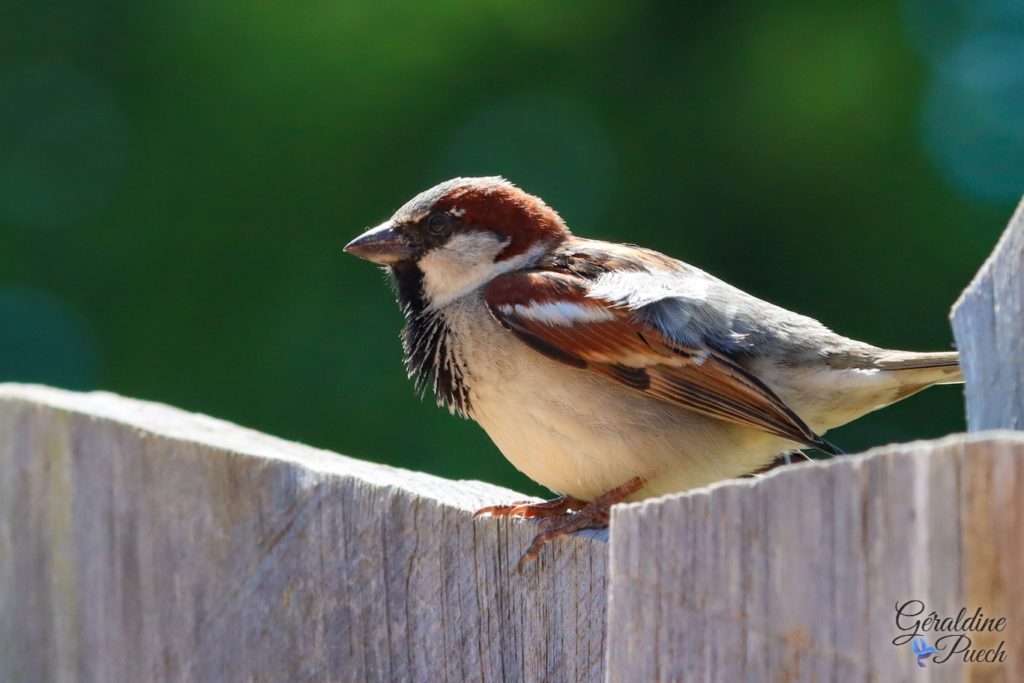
608 372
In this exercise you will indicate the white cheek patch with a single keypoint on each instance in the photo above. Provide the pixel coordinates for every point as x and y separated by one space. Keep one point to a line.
560 313
464 263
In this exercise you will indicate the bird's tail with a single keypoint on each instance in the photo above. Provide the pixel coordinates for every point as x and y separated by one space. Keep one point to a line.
926 369
890 376
914 371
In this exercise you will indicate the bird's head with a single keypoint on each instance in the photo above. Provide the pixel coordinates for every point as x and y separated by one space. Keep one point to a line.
457 236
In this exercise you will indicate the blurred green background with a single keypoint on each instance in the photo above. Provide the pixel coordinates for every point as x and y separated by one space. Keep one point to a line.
177 179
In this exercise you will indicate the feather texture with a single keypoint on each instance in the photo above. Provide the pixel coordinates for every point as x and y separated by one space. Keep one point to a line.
555 314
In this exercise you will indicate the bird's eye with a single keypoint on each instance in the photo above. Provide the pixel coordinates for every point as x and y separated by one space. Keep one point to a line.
439 223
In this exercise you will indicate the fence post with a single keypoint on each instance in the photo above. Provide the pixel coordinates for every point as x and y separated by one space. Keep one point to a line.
796 576
142 543
988 321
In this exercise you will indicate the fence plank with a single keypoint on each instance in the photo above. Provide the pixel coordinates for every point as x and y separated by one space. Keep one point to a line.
795 577
139 542
988 322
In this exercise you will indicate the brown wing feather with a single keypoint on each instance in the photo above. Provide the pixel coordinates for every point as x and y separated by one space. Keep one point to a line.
550 311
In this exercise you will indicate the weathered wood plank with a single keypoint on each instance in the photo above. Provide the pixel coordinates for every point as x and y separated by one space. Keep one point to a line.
795 577
988 322
143 543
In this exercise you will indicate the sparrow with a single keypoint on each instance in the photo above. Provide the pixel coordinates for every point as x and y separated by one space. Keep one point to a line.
608 372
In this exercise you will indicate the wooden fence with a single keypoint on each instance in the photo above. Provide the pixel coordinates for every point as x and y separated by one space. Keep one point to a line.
142 543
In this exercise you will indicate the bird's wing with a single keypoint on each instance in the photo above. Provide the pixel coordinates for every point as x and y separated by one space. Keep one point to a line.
555 314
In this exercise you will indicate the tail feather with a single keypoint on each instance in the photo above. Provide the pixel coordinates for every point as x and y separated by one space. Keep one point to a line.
911 360
886 377
941 367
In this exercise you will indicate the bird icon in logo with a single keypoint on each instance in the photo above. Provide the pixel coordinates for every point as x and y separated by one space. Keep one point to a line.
923 650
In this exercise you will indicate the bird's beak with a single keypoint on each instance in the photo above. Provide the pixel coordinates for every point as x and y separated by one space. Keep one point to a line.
384 245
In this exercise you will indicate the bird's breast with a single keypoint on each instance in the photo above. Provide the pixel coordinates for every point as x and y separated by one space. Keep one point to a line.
579 433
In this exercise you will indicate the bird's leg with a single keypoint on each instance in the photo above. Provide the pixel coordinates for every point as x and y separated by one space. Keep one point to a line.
784 459
593 515
528 509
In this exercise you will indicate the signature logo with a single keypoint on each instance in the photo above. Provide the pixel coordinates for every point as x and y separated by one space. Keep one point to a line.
951 636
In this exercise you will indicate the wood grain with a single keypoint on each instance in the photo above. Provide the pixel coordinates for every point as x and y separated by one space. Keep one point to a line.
795 577
988 322
143 543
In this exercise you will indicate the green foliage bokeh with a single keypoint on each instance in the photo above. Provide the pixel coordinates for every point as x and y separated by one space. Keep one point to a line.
177 180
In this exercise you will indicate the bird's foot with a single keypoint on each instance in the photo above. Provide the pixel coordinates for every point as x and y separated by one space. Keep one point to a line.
527 509
593 515
782 460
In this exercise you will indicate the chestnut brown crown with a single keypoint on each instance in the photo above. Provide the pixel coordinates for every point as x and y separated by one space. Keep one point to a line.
497 205
431 218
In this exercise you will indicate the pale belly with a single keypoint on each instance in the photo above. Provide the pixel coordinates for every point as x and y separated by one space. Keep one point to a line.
580 434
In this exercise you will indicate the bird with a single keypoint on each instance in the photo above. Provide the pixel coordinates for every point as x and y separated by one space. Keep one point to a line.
608 372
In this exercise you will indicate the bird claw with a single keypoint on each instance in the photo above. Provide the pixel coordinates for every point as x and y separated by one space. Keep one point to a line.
589 517
498 510
593 515
528 509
